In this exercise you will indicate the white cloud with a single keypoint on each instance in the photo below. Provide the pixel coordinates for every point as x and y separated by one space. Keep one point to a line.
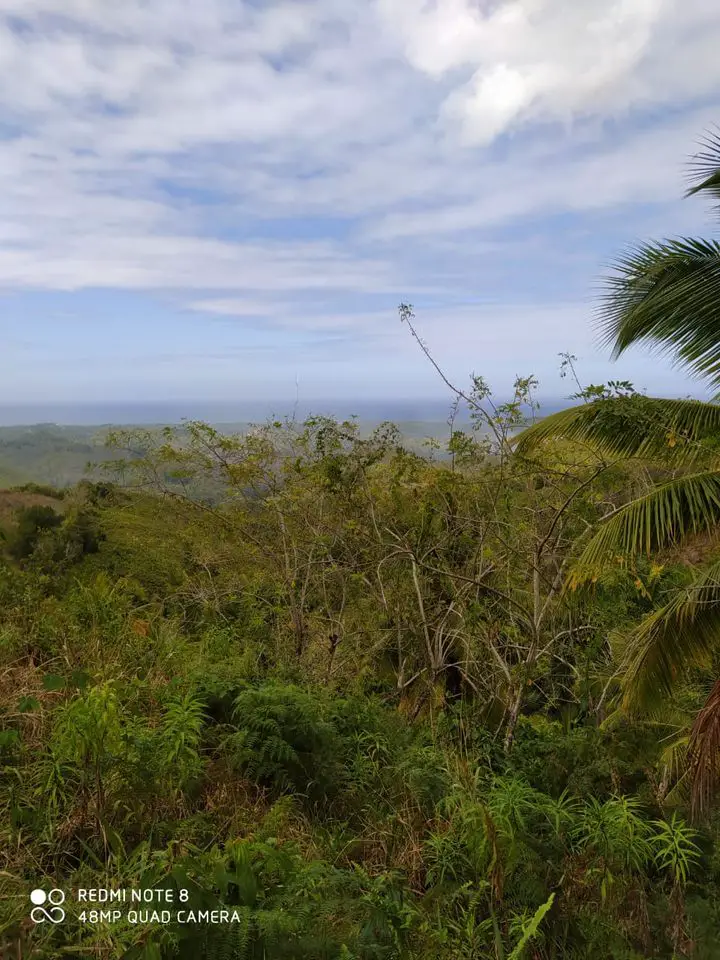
142 142
235 308
541 59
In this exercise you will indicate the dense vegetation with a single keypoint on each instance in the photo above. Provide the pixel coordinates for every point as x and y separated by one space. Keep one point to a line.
375 703
340 686
61 456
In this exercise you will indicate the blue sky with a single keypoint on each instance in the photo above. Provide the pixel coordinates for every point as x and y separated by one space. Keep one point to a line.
214 198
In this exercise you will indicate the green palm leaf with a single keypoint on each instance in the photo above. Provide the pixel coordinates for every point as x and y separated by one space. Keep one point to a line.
705 166
670 431
667 293
662 517
680 635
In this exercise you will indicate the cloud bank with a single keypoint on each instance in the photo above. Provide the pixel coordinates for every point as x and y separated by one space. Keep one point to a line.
304 165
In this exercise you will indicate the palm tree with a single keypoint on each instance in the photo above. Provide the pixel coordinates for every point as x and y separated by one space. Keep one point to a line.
666 294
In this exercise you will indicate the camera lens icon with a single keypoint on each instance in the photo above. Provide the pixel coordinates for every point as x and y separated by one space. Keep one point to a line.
54 914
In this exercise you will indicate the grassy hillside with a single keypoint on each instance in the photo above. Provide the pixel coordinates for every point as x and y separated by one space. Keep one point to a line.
348 707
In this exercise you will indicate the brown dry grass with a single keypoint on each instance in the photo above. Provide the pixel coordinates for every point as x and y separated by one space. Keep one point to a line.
24 679
13 500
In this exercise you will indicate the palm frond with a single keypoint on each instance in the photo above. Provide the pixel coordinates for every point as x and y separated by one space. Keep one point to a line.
674 760
704 754
670 431
679 635
663 517
705 167
667 293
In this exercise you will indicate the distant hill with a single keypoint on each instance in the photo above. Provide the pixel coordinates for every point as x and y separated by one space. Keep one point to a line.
60 455
48 454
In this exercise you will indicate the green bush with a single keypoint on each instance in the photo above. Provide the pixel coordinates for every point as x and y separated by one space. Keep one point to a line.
285 741
30 523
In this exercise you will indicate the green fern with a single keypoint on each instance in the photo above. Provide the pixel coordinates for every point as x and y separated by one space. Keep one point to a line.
531 928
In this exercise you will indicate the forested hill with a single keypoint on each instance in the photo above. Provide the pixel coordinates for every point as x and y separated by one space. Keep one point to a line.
46 453
368 703
49 453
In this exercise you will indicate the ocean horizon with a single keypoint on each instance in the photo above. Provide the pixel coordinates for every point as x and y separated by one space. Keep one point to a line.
150 413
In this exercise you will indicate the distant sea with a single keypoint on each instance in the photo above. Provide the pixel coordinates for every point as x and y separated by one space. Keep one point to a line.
175 411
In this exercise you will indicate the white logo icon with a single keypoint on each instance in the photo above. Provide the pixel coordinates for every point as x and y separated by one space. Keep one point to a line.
55 913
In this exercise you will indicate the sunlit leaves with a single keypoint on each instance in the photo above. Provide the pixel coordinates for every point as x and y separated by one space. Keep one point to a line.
668 431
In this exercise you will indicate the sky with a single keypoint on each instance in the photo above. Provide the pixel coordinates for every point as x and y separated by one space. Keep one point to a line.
227 199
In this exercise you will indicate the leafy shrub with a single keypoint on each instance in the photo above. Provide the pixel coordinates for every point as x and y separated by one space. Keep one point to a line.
285 741
179 739
31 522
585 760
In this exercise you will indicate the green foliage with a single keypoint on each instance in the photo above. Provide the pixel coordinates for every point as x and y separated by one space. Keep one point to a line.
676 851
285 742
180 737
338 689
30 523
666 430
530 929
665 293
